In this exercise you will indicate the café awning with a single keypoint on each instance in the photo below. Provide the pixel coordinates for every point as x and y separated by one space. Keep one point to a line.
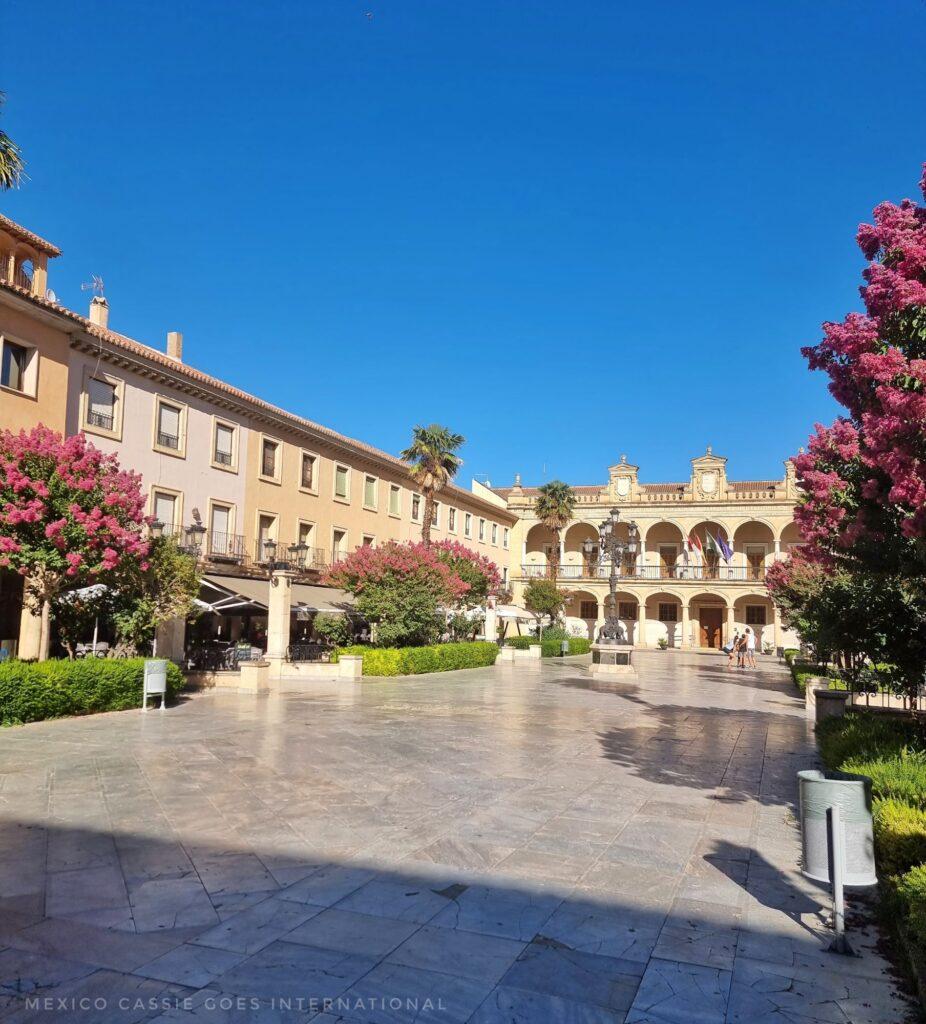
244 595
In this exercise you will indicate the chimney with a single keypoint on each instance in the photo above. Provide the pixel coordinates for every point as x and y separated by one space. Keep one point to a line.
99 311
175 345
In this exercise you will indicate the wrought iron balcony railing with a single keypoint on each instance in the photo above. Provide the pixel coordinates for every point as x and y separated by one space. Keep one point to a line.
717 573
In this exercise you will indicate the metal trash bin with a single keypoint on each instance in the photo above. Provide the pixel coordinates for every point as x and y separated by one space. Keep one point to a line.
154 681
564 648
852 794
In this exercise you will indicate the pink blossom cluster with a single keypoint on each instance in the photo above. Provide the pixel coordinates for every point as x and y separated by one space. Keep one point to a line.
66 508
876 361
366 566
453 551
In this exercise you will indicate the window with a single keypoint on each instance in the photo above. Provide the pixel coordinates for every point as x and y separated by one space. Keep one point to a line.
467 525
338 544
755 614
435 517
588 609
307 472
495 533
505 576
627 610
223 544
452 520
369 492
668 613
506 537
101 404
14 366
416 508
395 500
306 534
223 445
169 426
342 483
270 459
266 531
368 540
164 507
482 529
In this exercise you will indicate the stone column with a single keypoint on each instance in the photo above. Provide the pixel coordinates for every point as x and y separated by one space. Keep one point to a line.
490 628
777 549
776 625
599 621
641 623
686 625
278 613
731 622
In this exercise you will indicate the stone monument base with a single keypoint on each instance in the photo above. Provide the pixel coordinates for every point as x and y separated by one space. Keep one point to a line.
612 659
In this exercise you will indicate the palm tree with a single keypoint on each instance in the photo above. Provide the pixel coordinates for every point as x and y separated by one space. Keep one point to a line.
432 454
554 506
11 161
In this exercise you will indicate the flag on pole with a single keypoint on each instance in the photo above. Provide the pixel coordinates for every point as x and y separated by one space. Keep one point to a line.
694 546
725 549
713 547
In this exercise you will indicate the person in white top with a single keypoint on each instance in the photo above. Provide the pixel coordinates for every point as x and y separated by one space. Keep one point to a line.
750 648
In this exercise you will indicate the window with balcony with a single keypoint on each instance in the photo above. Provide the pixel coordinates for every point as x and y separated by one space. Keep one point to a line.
307 471
451 520
165 507
338 544
223 453
18 367
341 482
101 404
369 492
416 508
395 500
467 525
266 531
169 427
270 459
223 544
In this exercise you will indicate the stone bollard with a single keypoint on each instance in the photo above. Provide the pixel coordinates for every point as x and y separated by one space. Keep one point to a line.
350 666
254 676
829 703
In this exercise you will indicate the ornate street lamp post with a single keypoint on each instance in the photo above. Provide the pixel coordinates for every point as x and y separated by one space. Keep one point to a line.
614 548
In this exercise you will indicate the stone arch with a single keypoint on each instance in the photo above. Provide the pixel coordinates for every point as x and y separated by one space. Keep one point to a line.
574 558
753 547
537 542
655 628
707 611
665 546
744 617
573 609
790 537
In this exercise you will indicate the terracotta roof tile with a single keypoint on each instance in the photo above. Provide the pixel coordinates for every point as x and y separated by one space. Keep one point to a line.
24 235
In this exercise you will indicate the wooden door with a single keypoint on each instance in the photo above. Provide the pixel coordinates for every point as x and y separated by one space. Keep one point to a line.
711 620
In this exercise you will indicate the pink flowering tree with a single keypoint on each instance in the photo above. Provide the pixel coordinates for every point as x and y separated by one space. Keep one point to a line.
68 515
480 572
404 589
864 477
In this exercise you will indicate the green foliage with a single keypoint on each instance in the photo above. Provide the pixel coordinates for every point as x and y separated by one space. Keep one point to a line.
900 836
662 643
803 671
790 654
33 691
521 643
910 902
550 647
404 610
464 627
406 661
543 598
433 464
556 633
334 629
579 645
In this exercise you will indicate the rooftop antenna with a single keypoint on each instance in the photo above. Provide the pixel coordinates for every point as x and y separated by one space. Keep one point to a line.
95 285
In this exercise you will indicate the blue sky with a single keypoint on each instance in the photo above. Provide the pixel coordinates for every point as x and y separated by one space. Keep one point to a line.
566 230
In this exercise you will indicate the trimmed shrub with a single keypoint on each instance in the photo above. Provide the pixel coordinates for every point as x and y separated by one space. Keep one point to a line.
910 897
579 645
550 647
407 661
790 654
521 643
900 836
801 672
33 691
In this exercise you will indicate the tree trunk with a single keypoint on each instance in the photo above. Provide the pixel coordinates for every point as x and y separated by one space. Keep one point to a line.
428 518
45 635
554 556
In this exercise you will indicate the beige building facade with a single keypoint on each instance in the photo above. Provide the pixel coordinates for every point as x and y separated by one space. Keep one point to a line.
670 593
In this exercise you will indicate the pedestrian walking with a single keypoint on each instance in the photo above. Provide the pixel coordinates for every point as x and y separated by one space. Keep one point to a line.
750 648
730 647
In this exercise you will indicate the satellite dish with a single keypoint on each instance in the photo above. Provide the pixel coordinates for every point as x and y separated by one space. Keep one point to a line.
50 295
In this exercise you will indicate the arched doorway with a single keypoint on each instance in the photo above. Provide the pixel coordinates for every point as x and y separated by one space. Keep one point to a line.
708 617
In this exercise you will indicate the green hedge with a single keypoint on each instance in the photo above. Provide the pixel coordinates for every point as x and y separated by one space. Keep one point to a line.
408 661
801 672
33 691
891 750
550 648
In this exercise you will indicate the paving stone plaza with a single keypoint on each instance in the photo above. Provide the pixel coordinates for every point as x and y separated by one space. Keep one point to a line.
513 844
